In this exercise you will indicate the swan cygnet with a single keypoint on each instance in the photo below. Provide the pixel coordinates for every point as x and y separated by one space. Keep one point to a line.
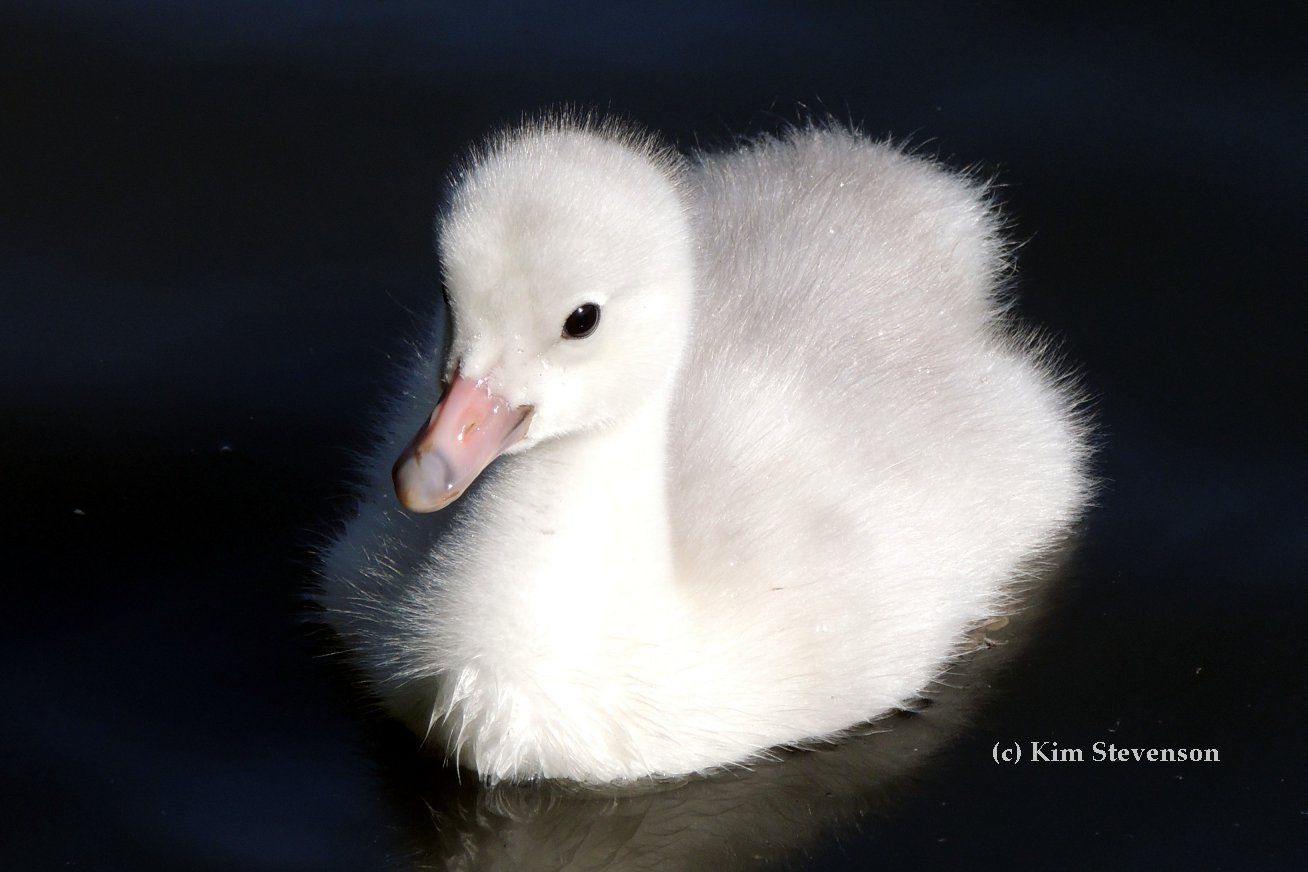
770 449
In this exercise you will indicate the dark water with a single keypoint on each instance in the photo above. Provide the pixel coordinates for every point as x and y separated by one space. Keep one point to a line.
216 227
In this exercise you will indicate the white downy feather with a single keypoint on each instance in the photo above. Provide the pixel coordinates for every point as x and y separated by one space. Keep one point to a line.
802 454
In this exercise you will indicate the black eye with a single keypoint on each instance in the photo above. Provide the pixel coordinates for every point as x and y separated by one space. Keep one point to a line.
582 322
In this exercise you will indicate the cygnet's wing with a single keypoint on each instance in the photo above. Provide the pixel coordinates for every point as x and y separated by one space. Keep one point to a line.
850 381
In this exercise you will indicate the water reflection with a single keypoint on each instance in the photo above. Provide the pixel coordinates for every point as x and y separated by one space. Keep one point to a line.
734 819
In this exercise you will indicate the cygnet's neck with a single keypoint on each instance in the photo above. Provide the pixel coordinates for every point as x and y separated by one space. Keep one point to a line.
606 495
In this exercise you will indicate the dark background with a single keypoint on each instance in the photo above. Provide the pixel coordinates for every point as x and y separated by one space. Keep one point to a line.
215 226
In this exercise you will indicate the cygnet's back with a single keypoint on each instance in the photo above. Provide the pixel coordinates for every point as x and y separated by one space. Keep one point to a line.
860 438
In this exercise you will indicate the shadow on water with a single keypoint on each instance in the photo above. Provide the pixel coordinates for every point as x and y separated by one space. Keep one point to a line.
771 813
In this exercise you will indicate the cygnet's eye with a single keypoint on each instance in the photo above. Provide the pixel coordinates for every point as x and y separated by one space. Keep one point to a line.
582 322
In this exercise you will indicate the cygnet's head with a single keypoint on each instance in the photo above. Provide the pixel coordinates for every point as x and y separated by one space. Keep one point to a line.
568 267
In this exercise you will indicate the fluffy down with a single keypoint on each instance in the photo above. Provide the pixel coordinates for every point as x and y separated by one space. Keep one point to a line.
802 455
